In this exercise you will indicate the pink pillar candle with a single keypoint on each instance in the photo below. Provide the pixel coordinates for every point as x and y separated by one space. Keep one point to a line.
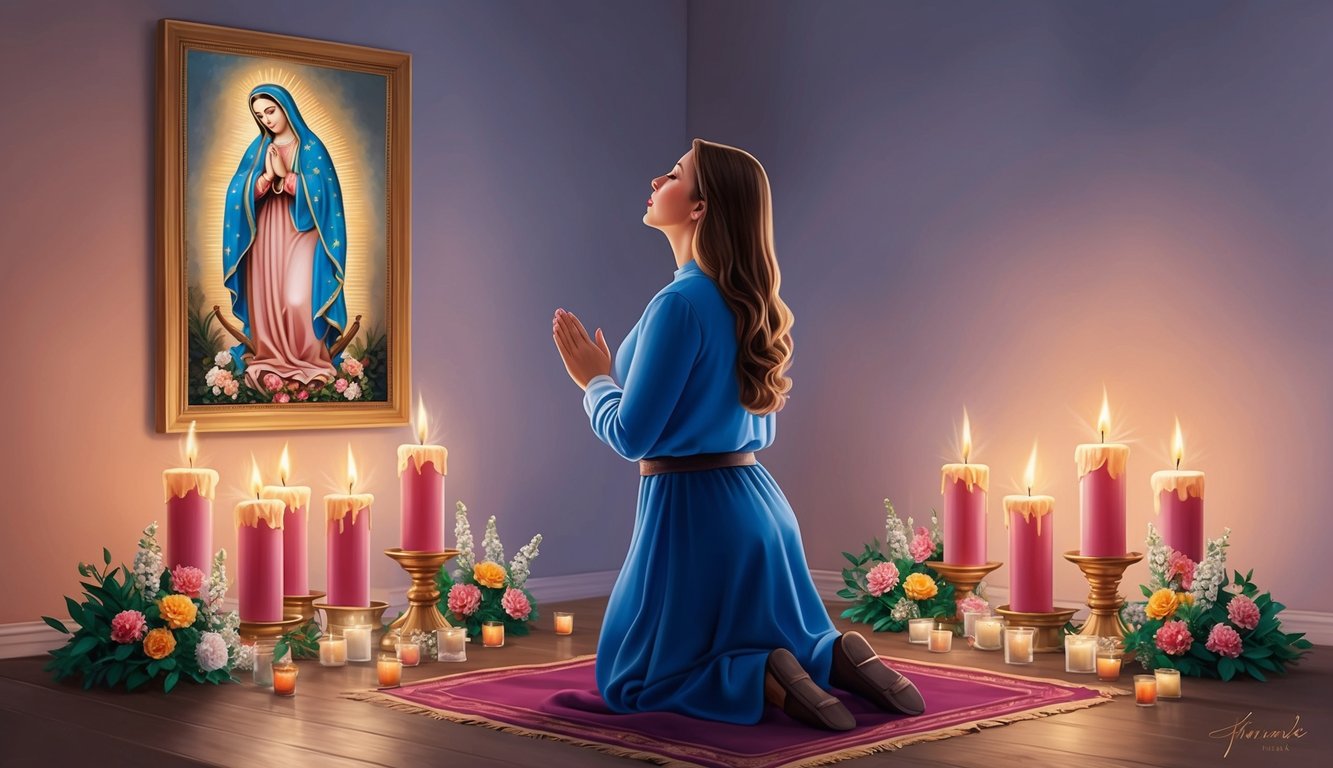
189 496
1101 488
295 536
348 536
1179 497
259 559
1030 525
964 488
422 469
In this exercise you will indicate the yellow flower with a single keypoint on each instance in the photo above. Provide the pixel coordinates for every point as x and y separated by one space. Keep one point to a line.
159 643
1162 604
1185 598
489 574
178 611
919 586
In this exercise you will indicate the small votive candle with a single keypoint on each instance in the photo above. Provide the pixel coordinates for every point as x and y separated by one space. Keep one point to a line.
1018 645
564 623
941 640
451 644
332 651
358 643
390 671
409 652
970 622
1145 690
1081 654
493 634
918 630
1168 683
1108 666
284 679
263 669
988 633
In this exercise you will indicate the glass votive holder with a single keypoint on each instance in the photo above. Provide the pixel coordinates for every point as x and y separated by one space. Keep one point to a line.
970 622
390 671
1168 683
333 651
409 651
564 623
989 633
451 644
493 634
1145 690
1081 654
284 679
941 640
918 630
358 642
1018 645
263 669
1108 665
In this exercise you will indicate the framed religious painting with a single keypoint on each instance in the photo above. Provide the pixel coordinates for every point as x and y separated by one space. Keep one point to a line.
283 200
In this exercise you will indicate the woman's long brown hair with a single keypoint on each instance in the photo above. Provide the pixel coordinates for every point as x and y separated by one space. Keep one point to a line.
734 245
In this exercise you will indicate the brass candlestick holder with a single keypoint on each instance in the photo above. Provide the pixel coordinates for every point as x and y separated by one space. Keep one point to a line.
964 579
266 633
302 604
338 618
1050 626
1104 600
422 615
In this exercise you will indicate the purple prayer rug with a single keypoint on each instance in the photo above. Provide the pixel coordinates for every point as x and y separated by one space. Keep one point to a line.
560 701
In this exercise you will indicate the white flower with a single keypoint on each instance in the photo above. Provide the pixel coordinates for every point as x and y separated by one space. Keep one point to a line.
211 378
495 551
148 564
245 658
222 358
211 652
1133 614
463 535
895 535
905 609
353 391
519 566
217 582
217 390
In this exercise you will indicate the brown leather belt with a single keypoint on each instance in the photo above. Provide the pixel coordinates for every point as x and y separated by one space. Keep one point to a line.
696 463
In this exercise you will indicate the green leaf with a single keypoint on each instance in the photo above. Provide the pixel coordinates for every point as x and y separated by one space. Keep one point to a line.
1255 672
851 558
83 645
1146 592
123 652
75 612
1226 668
1257 652
137 678
171 681
106 556
53 624
113 675
846 594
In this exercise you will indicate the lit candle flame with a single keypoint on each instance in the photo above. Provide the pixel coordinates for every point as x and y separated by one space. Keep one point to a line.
191 446
1104 420
1030 475
284 465
256 480
1178 445
421 420
967 437
351 469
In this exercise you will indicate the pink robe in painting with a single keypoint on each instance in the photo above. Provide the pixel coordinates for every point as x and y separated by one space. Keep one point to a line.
281 266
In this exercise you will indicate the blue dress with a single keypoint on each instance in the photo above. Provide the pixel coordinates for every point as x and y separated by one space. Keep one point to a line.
716 576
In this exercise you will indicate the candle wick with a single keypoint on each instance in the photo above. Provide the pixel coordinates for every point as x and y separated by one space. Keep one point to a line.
1177 464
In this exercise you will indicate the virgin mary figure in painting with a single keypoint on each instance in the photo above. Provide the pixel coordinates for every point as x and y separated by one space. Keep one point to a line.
284 248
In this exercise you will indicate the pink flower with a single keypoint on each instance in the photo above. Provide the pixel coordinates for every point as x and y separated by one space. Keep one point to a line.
1243 612
1174 638
231 387
516 603
272 382
223 378
882 578
340 384
1177 564
293 386
303 395
187 580
464 599
972 604
352 367
921 547
128 627
282 397
1224 641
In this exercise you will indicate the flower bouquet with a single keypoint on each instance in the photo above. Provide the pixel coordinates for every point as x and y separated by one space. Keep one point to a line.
224 383
138 625
487 590
889 588
1197 622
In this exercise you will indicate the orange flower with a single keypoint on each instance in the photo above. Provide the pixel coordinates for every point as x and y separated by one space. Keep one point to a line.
178 611
919 586
1162 604
159 643
1186 598
489 574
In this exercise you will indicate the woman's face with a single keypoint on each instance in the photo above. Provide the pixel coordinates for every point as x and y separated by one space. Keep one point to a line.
270 115
672 202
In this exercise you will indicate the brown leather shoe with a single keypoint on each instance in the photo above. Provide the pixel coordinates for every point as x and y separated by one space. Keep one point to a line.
788 685
858 669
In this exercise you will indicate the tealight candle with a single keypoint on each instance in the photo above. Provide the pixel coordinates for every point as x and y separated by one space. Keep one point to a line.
941 641
451 644
358 643
1018 645
1168 683
988 629
284 679
564 623
1108 666
332 651
409 652
493 634
1145 690
970 622
390 671
918 630
1080 654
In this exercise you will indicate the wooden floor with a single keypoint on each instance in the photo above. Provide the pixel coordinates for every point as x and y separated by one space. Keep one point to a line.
48 724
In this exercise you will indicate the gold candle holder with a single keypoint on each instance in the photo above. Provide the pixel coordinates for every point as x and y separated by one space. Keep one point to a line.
1104 599
422 615
964 579
266 633
1049 637
337 618
302 604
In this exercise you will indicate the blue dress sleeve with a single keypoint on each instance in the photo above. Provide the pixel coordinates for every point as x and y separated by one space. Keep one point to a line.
631 420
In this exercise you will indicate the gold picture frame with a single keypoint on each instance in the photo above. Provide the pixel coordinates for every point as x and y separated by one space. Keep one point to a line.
279 157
